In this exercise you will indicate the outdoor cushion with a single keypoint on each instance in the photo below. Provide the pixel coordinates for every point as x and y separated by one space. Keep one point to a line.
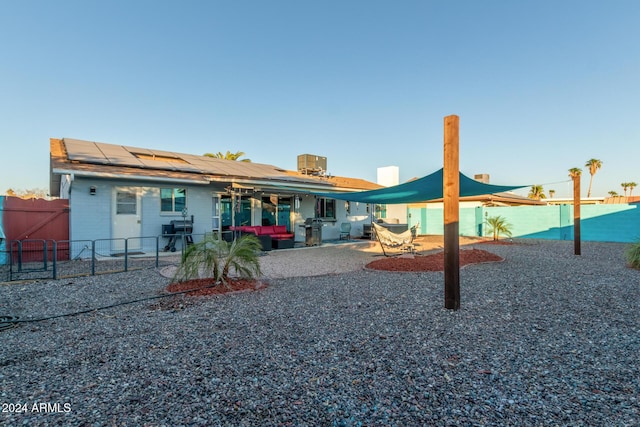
282 236
274 231
265 229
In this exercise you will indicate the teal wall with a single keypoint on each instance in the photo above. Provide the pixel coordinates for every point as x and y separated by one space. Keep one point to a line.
605 223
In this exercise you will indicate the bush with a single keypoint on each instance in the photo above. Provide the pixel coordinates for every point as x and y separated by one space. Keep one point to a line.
633 255
215 258
497 226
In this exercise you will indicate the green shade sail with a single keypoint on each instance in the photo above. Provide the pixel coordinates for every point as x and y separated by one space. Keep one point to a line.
420 190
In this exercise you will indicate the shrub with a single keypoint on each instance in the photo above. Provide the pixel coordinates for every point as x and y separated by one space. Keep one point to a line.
215 258
498 226
633 255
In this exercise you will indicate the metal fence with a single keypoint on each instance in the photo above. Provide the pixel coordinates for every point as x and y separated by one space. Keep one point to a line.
56 259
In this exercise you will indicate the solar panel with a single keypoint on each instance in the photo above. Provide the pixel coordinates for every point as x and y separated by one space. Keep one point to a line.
84 151
119 155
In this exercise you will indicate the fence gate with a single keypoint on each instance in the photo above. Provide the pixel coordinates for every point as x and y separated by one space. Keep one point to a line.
31 226
32 259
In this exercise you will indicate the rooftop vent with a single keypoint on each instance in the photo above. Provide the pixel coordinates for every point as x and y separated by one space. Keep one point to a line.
310 164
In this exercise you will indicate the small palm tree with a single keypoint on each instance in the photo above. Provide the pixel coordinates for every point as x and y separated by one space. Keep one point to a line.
215 258
498 225
594 165
228 156
631 185
537 192
613 193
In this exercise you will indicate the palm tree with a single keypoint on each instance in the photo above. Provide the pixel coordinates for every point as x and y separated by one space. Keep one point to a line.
215 258
574 173
631 185
228 156
613 193
498 225
594 165
537 192
625 187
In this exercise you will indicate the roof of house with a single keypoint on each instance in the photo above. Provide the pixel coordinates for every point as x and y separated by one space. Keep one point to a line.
88 158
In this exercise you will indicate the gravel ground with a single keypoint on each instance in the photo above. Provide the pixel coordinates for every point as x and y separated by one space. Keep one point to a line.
543 338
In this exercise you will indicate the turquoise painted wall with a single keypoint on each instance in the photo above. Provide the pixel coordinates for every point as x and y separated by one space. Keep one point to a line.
613 223
539 222
435 221
604 223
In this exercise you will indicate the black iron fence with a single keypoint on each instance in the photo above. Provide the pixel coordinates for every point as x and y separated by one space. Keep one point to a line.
56 259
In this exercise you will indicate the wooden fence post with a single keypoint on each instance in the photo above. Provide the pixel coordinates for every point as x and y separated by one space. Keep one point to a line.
576 214
451 197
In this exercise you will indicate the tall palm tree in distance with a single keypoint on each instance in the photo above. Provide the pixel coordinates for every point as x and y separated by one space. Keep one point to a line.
625 187
594 165
537 192
631 185
228 156
574 173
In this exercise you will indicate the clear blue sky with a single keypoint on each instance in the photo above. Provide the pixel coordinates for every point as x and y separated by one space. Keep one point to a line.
540 86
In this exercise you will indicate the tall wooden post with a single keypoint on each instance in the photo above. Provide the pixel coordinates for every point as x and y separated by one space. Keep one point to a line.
451 194
576 214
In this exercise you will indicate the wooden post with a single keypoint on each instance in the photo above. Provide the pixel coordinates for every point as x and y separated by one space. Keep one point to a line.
576 214
451 195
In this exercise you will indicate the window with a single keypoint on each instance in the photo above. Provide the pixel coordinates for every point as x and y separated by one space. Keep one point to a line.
381 211
173 199
326 208
215 213
126 203
269 208
235 211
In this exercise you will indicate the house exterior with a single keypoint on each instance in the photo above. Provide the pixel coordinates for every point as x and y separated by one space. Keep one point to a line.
117 192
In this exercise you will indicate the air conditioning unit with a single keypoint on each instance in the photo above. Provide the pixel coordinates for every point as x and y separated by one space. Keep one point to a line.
310 164
482 177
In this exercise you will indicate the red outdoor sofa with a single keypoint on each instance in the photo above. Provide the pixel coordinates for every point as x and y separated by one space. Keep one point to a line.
271 236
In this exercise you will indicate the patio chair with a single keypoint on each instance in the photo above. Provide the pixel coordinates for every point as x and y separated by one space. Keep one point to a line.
345 231
390 240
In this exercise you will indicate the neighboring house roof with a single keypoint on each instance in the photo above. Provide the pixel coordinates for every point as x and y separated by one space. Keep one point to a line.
97 159
622 199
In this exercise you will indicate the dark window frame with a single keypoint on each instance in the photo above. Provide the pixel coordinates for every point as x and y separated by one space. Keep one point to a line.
326 209
174 202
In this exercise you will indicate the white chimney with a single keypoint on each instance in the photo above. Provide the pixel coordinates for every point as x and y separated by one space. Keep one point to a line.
389 176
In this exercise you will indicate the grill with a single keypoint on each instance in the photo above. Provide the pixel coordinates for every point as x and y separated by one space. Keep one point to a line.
177 229
313 231
182 226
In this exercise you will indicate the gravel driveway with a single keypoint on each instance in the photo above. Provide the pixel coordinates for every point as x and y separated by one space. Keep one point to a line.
543 338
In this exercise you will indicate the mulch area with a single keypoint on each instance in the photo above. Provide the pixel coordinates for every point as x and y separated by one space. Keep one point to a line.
206 286
433 262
